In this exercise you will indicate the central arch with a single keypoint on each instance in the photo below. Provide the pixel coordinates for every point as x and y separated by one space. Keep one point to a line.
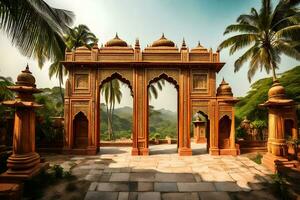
173 82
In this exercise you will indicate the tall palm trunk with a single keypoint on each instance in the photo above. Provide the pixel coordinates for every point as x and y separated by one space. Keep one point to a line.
274 73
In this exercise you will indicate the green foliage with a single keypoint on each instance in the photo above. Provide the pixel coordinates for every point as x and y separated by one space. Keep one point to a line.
52 107
267 33
5 94
240 133
258 94
257 158
35 27
58 171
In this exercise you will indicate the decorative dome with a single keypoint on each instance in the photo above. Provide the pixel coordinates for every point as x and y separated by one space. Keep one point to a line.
277 91
26 78
199 47
224 89
116 42
163 42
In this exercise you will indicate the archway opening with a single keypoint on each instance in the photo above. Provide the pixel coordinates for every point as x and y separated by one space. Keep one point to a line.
200 133
163 115
288 128
80 127
224 132
116 114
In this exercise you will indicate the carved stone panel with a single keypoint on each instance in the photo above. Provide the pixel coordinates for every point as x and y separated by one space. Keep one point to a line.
200 81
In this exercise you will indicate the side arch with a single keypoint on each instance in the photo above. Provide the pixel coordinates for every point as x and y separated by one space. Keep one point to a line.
80 131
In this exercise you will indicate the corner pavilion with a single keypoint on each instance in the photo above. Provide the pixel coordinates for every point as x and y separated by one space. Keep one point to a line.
192 72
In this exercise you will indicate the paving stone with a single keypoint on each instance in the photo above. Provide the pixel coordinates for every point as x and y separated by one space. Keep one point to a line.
145 186
214 196
180 196
119 177
91 195
92 177
93 186
195 187
116 186
133 196
96 172
165 187
149 196
227 187
174 177
123 196
143 177
105 177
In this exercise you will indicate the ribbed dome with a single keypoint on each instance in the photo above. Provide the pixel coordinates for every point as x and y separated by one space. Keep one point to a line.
26 78
116 42
224 89
163 42
277 91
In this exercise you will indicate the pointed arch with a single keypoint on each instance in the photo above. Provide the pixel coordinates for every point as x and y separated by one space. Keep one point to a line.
118 76
224 132
165 77
80 131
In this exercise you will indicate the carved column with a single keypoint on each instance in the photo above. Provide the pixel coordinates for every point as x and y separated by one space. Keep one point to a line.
278 105
24 162
140 113
184 114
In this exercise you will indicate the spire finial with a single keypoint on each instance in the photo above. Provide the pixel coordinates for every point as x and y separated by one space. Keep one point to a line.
117 37
183 43
137 42
199 44
27 67
163 35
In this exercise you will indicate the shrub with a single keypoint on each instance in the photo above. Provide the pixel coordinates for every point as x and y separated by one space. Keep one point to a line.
257 158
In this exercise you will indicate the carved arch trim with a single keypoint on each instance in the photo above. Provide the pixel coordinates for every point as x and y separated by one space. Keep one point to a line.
117 75
166 77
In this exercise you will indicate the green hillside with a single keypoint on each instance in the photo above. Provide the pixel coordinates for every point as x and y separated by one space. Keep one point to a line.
163 122
248 105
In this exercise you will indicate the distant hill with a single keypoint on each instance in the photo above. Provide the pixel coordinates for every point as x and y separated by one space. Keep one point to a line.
248 105
162 121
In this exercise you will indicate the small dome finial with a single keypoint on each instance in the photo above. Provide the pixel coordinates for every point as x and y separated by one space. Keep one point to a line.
117 37
163 35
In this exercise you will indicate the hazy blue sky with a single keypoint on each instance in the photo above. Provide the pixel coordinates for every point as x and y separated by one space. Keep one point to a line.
195 20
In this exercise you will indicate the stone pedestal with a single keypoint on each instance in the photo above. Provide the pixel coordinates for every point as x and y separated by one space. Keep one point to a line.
24 161
280 108
199 131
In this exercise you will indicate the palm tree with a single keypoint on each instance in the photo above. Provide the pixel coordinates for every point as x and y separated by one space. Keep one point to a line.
78 36
269 33
35 28
153 90
112 94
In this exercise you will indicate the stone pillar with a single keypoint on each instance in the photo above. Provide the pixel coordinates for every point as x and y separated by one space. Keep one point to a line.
140 112
24 161
184 114
278 106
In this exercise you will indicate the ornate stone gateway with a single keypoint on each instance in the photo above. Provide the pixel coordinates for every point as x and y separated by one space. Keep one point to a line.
193 72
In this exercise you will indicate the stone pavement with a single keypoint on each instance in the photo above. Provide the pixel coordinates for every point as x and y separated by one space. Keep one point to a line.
116 175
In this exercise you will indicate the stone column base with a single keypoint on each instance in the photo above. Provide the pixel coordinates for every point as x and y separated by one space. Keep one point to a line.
21 175
140 152
217 152
271 161
184 151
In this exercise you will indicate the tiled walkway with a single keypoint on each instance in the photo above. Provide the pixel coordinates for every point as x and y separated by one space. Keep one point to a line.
116 175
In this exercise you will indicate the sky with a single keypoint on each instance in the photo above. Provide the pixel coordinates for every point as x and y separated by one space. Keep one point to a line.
193 20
